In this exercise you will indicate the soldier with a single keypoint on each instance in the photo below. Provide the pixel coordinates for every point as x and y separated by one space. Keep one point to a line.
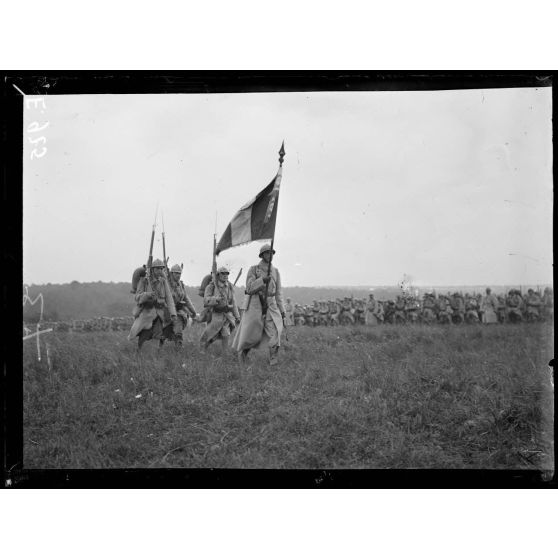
371 317
323 318
262 279
548 304
471 310
219 298
457 305
309 316
489 308
316 312
501 309
346 314
298 315
183 305
444 310
289 313
533 305
156 308
428 308
412 308
205 314
359 311
334 310
514 305
389 312
399 314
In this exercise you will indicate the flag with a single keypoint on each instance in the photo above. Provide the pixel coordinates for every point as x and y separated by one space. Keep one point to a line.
254 220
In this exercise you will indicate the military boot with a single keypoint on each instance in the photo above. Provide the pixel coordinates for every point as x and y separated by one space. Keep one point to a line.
224 345
273 355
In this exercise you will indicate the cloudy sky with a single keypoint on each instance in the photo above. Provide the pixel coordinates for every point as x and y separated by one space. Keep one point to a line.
447 187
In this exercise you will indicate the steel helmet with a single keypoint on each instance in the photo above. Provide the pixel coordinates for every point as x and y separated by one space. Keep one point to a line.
223 269
157 263
265 248
176 269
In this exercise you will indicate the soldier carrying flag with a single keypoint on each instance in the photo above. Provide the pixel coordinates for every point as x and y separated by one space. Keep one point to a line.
264 316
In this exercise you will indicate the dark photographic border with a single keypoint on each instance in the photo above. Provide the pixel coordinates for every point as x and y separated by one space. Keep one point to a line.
159 82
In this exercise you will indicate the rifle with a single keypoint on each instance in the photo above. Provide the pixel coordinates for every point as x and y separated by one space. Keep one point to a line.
214 265
237 277
263 300
150 257
165 259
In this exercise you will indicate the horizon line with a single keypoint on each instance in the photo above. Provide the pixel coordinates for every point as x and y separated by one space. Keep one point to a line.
360 286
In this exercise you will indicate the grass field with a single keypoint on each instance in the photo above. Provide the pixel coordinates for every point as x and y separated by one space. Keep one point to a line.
355 397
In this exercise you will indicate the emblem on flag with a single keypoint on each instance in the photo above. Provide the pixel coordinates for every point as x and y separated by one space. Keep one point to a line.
274 194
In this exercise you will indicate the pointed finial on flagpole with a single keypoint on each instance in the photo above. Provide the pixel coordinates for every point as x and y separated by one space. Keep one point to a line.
282 153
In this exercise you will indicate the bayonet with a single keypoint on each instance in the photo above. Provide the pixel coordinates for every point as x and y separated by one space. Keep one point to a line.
238 277
165 259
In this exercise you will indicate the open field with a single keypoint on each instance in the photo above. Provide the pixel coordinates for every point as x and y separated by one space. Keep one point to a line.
345 397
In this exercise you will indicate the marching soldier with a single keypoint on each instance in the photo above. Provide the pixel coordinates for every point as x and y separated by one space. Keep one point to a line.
289 313
514 305
316 312
471 310
458 308
389 312
372 316
399 314
183 305
548 304
298 315
501 309
155 306
428 308
533 305
489 308
219 299
262 279
323 318
309 316
346 314
205 314
444 310
412 309
359 311
334 309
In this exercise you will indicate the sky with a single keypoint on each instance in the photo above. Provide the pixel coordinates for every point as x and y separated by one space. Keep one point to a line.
443 187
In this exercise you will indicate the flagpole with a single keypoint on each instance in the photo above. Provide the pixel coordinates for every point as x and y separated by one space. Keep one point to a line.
281 157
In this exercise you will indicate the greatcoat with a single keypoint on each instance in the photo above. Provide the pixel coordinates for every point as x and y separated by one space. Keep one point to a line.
489 308
372 313
289 314
161 306
224 311
253 331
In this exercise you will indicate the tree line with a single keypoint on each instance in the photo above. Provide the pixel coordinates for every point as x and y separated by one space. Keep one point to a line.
82 301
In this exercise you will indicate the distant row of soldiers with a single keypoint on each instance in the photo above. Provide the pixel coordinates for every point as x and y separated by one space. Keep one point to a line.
450 308
447 308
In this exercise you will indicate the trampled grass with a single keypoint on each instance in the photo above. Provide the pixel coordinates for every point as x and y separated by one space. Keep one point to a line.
355 397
